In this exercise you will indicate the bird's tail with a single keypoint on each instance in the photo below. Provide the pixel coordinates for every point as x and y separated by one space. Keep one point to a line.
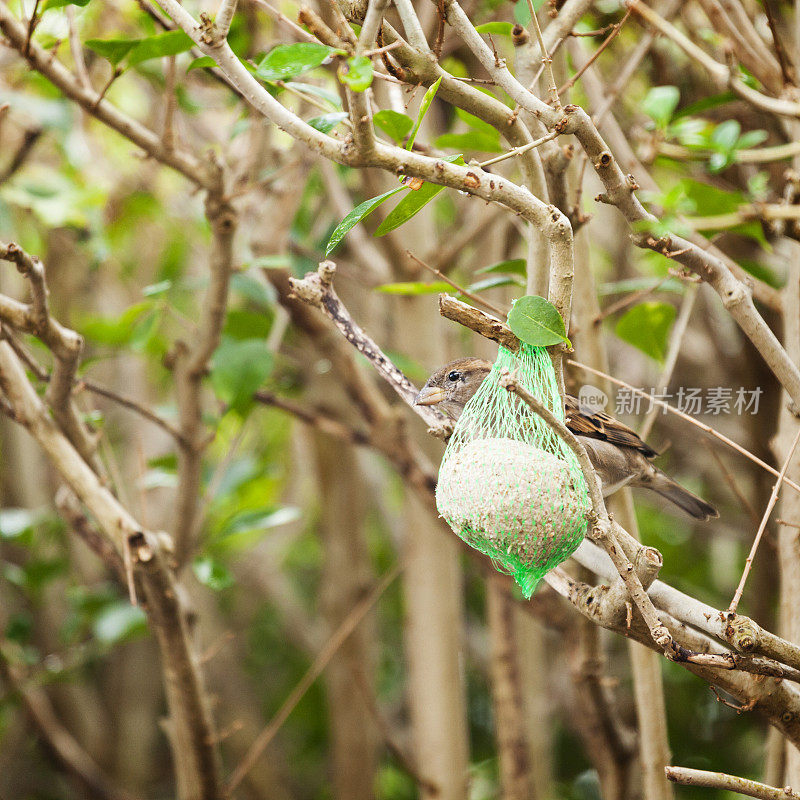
692 504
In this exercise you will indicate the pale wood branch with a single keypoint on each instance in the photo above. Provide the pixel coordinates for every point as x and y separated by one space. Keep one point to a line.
731 783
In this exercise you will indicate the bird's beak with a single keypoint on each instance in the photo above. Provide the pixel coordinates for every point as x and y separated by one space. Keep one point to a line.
429 396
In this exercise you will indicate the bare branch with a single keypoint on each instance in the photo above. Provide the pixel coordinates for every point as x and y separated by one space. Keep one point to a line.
762 526
719 72
460 289
547 61
191 727
337 639
371 26
316 289
478 321
731 783
224 18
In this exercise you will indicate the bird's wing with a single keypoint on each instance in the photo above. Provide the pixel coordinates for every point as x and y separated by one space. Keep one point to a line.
601 426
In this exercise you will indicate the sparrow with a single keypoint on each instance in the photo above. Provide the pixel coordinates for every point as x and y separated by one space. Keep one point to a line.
618 455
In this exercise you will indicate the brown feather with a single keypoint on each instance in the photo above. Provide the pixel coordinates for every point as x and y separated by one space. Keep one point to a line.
600 426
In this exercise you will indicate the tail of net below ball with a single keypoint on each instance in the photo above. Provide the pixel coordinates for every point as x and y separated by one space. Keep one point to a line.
508 485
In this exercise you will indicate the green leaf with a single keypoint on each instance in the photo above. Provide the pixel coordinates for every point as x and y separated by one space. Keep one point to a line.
413 202
718 161
476 123
493 281
119 621
514 266
113 50
726 134
136 51
327 122
393 123
475 140
751 139
639 284
760 271
15 521
211 573
49 4
201 62
522 13
710 200
356 73
752 229
277 261
411 288
410 205
705 104
289 60
500 28
660 103
690 131
646 326
161 45
360 212
423 110
316 91
238 369
155 289
537 322
115 331
243 324
246 527
259 292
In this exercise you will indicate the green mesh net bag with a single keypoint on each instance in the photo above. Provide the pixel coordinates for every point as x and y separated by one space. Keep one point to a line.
508 485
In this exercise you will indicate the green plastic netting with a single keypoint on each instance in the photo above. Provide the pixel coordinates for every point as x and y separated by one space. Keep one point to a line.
508 485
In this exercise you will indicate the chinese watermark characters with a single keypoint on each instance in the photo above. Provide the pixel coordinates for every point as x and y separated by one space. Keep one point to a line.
714 400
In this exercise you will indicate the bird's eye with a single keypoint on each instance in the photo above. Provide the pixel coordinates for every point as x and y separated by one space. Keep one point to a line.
454 376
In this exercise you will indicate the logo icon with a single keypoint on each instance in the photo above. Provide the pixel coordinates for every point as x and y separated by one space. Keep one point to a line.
591 399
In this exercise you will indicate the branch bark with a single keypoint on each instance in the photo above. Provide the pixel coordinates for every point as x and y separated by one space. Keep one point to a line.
191 728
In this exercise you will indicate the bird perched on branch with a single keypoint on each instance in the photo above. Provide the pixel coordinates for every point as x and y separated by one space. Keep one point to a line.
617 453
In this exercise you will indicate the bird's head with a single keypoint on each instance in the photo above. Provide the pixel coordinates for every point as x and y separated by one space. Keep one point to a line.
451 386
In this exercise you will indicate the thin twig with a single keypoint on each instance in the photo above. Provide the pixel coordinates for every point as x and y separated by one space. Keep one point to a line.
460 289
284 20
32 22
132 405
77 49
755 155
520 150
730 783
610 38
547 61
767 511
787 68
628 300
337 639
731 481
673 351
